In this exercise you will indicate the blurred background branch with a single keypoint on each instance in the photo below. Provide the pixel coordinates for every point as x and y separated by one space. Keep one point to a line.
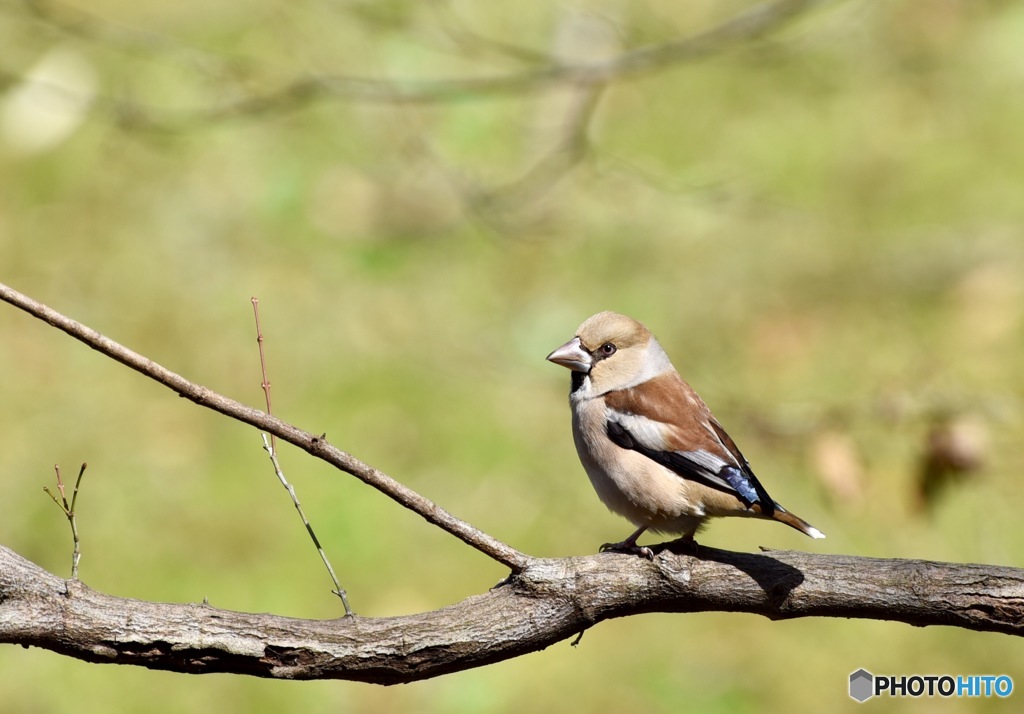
293 93
584 60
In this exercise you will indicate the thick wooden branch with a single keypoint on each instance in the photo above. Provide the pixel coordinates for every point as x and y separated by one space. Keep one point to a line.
547 602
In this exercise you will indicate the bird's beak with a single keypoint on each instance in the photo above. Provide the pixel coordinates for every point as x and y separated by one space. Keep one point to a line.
573 356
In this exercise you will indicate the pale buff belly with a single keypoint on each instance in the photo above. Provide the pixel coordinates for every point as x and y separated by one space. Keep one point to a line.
640 490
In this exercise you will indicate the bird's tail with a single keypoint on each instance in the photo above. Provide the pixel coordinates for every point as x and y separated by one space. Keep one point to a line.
783 516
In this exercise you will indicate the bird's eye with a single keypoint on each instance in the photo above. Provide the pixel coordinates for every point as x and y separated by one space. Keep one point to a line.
607 349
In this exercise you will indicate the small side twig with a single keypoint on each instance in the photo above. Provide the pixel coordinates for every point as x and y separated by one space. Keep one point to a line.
69 511
338 590
271 448
265 384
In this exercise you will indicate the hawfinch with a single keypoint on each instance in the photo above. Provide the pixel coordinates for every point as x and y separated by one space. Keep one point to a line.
650 445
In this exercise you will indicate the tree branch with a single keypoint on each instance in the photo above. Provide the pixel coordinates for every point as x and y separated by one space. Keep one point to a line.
314 445
542 602
547 602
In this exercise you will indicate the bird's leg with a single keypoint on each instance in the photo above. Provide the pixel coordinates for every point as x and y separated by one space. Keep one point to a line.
629 545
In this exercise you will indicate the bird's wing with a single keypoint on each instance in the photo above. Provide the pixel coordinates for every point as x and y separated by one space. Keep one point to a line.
665 420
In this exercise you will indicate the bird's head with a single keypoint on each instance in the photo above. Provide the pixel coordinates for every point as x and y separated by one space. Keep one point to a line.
614 351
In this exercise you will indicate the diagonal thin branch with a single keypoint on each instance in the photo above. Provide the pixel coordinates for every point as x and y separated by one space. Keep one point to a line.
315 445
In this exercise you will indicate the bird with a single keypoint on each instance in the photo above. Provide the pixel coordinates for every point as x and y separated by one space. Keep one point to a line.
653 450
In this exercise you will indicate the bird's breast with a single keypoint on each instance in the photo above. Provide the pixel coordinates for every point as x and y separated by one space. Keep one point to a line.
627 482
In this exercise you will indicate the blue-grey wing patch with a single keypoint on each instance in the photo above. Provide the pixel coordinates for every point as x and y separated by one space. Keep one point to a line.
747 487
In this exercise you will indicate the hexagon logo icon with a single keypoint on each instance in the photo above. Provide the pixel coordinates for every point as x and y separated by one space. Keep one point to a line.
861 685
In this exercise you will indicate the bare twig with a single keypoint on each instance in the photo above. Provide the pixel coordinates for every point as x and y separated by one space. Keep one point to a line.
338 590
265 384
271 448
311 443
69 511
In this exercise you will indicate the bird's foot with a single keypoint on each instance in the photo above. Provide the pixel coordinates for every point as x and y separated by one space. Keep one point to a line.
685 546
628 546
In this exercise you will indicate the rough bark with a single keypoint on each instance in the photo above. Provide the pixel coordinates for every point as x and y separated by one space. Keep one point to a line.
549 601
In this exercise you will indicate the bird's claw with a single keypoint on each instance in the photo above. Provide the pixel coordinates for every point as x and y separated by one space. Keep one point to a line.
627 547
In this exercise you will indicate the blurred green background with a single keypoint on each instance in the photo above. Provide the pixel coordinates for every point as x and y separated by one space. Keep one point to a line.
824 228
